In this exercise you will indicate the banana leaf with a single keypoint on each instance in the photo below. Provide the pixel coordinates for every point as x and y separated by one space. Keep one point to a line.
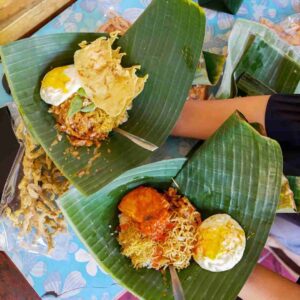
236 171
209 69
229 6
287 202
166 41
272 69
295 187
240 40
247 85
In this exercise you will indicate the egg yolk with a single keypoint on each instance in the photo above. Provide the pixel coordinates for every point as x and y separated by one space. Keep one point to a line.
56 79
212 240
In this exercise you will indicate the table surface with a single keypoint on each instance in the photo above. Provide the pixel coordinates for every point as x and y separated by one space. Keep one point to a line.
20 18
15 285
69 270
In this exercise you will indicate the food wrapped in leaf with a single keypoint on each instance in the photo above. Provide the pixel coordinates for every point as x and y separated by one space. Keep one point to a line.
91 98
159 230
235 172
178 45
259 62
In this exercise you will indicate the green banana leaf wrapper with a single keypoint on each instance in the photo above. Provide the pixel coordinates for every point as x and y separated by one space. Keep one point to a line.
263 70
290 186
209 69
166 41
229 6
294 183
236 171
259 62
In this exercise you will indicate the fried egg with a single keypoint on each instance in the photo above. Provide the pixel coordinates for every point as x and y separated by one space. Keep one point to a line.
59 84
220 244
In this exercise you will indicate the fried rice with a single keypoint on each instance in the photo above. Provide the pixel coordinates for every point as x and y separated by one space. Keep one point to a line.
85 128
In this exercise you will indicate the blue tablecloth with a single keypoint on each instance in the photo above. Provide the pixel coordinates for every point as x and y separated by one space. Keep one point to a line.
70 271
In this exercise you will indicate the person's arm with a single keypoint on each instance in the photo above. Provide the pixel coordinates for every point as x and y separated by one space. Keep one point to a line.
267 285
200 119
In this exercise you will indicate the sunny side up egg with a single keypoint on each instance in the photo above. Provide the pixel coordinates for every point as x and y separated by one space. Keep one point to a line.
221 243
59 84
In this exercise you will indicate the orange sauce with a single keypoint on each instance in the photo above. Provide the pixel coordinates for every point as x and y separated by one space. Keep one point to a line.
149 209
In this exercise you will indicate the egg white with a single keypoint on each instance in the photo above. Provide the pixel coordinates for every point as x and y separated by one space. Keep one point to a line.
54 96
234 244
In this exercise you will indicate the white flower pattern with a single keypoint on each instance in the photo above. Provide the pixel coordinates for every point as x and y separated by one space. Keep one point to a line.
29 266
72 285
225 21
259 9
91 267
132 14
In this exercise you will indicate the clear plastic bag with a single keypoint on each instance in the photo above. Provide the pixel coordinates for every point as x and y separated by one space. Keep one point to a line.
288 29
10 188
10 236
291 26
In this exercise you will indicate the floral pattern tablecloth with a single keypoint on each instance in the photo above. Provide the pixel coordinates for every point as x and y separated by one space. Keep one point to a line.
71 272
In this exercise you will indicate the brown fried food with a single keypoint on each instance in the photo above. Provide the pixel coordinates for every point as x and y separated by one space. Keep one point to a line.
41 184
198 92
85 129
116 23
293 38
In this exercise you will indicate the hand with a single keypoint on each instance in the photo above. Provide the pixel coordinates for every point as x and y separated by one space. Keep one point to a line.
267 285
